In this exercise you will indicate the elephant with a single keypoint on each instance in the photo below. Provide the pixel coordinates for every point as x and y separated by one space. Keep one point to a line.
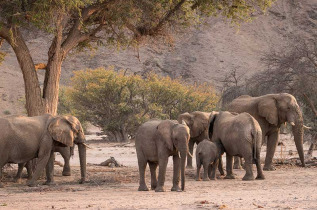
240 135
198 124
66 153
208 154
25 138
271 111
155 141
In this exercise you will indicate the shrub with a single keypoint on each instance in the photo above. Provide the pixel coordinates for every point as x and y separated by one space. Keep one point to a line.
119 103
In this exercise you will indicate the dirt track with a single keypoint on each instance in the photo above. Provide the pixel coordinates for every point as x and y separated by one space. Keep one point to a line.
289 187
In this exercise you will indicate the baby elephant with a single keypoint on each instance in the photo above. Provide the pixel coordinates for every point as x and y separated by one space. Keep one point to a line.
208 154
240 135
155 141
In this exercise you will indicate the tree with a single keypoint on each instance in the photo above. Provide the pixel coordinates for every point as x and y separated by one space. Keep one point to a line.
81 23
118 102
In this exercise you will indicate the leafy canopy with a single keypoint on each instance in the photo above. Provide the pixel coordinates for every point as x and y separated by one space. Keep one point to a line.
113 100
122 21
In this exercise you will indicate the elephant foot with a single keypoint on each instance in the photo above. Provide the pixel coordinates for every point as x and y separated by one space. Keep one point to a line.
269 168
159 189
17 180
248 178
31 184
206 179
212 178
143 188
260 177
82 180
176 189
50 183
66 173
153 187
198 179
229 176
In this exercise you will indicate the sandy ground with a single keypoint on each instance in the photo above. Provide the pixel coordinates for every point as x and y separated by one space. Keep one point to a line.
289 187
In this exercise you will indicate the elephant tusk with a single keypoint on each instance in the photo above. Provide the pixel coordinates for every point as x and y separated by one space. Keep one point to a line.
292 123
179 154
306 127
190 154
86 145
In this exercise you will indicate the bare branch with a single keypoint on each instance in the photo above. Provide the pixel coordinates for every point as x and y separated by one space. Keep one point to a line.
311 104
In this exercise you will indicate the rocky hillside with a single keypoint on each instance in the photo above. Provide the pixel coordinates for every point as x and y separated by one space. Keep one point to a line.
207 54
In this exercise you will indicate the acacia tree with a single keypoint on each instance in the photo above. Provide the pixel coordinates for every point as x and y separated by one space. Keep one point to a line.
78 23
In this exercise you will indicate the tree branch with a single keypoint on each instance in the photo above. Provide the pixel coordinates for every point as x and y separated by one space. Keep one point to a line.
311 104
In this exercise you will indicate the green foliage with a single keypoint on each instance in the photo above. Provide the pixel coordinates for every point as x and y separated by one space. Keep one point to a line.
6 112
115 101
120 17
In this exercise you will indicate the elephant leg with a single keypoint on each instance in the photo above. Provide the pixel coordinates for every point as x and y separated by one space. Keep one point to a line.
229 167
213 170
162 171
272 141
176 172
50 170
248 167
198 166
220 166
66 152
206 165
259 169
153 167
142 166
258 164
237 162
28 166
189 158
1 166
18 177
43 157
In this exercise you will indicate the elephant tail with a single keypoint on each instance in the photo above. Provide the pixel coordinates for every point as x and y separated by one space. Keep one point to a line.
256 139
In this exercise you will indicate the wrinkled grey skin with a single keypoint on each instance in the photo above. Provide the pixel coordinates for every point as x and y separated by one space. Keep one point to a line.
155 141
208 154
271 111
240 135
66 153
25 138
198 123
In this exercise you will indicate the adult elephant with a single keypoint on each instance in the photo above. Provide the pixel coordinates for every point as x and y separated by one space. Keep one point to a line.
271 111
198 123
25 138
237 135
155 141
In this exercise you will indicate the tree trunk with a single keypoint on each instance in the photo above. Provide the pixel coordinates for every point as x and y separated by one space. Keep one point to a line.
35 104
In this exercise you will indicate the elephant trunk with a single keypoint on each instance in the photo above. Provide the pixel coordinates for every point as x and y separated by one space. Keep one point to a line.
183 160
82 159
298 132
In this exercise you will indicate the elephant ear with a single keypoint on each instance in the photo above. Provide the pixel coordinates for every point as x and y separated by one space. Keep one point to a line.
74 123
201 123
165 131
212 119
185 117
61 130
267 108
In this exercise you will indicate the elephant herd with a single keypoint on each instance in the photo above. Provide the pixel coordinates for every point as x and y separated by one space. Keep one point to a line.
239 132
